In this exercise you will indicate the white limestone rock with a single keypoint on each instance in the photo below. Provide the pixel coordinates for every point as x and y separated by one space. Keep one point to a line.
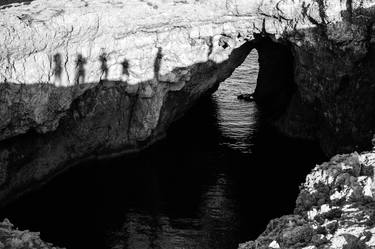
347 222
65 42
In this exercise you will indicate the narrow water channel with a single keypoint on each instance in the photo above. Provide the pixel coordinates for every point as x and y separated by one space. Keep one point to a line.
215 181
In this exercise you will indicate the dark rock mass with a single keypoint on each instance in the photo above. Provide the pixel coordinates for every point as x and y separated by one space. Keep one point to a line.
275 84
335 209
335 81
10 237
92 121
91 79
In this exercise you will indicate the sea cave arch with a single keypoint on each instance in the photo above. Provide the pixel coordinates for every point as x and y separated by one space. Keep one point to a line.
275 80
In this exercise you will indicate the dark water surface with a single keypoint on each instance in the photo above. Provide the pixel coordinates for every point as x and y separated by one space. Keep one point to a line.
215 181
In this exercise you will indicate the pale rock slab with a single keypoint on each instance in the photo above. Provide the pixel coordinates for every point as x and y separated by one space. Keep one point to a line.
67 42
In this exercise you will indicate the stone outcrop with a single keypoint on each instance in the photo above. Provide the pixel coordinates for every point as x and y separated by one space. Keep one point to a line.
84 79
89 79
333 51
55 45
335 209
10 237
65 43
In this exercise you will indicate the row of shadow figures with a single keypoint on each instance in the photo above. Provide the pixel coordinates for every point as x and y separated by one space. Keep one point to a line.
275 83
80 63
212 183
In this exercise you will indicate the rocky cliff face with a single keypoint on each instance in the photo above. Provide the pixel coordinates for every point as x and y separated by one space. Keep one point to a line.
86 79
10 237
333 50
90 79
335 208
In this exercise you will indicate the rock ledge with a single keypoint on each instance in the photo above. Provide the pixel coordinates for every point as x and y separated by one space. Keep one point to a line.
335 209
13 238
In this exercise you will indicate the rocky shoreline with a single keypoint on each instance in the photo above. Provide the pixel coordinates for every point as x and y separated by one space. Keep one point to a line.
315 60
335 209
66 111
12 238
102 77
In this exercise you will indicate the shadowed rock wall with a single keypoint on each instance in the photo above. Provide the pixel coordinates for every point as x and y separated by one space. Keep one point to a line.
335 209
332 43
333 49
275 84
83 80
102 119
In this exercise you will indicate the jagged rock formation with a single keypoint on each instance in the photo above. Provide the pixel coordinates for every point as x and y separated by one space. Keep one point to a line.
333 50
154 58
87 79
74 42
335 209
16 239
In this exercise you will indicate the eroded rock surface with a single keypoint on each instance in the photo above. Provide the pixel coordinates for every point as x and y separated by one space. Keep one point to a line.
87 79
10 237
333 49
71 42
55 45
335 208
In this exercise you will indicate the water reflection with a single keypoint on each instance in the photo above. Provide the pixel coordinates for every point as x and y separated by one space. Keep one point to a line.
238 119
214 226
205 186
220 217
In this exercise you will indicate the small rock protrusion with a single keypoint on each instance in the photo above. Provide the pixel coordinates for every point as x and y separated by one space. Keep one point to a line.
246 97
300 234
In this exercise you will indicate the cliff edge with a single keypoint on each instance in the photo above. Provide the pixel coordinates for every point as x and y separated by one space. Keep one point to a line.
335 208
90 79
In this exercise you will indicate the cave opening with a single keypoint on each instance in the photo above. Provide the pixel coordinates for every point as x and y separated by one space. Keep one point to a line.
275 82
207 185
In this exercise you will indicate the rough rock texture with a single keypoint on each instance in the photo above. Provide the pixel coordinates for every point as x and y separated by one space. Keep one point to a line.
15 239
335 209
69 42
87 79
275 84
333 48
83 79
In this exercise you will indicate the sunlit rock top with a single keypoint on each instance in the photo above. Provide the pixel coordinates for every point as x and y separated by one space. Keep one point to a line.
67 42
